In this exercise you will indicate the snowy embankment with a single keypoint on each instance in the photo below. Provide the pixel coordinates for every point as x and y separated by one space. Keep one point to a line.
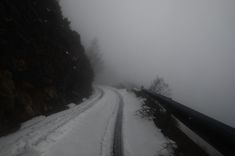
141 136
38 134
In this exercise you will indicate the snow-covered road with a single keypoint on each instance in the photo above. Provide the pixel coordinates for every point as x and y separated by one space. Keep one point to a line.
104 125
92 132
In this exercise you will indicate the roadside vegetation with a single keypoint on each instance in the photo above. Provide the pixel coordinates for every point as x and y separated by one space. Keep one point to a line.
151 109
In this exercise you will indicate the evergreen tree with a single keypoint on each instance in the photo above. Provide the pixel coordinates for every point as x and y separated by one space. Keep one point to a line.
42 62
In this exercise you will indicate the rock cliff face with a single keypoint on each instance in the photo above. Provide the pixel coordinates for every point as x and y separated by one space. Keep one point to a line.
42 62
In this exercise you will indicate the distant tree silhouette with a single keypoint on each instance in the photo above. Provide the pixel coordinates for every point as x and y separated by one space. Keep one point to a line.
128 85
159 86
95 57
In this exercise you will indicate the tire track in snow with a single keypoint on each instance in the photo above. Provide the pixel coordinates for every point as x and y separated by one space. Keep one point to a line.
118 138
106 147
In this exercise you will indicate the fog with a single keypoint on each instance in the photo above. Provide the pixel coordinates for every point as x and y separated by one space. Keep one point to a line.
190 43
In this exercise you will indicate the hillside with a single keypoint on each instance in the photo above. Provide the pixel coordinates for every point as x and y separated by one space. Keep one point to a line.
42 62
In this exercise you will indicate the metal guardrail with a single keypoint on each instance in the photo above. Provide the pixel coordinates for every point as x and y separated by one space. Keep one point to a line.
217 134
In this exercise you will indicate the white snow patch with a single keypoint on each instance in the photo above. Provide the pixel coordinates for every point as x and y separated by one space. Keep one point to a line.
71 105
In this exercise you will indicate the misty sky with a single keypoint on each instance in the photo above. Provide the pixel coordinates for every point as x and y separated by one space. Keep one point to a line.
190 43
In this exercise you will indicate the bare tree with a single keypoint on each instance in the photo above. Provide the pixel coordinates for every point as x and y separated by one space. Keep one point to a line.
159 86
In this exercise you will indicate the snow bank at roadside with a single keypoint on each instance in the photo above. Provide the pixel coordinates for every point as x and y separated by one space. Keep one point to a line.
141 136
39 133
